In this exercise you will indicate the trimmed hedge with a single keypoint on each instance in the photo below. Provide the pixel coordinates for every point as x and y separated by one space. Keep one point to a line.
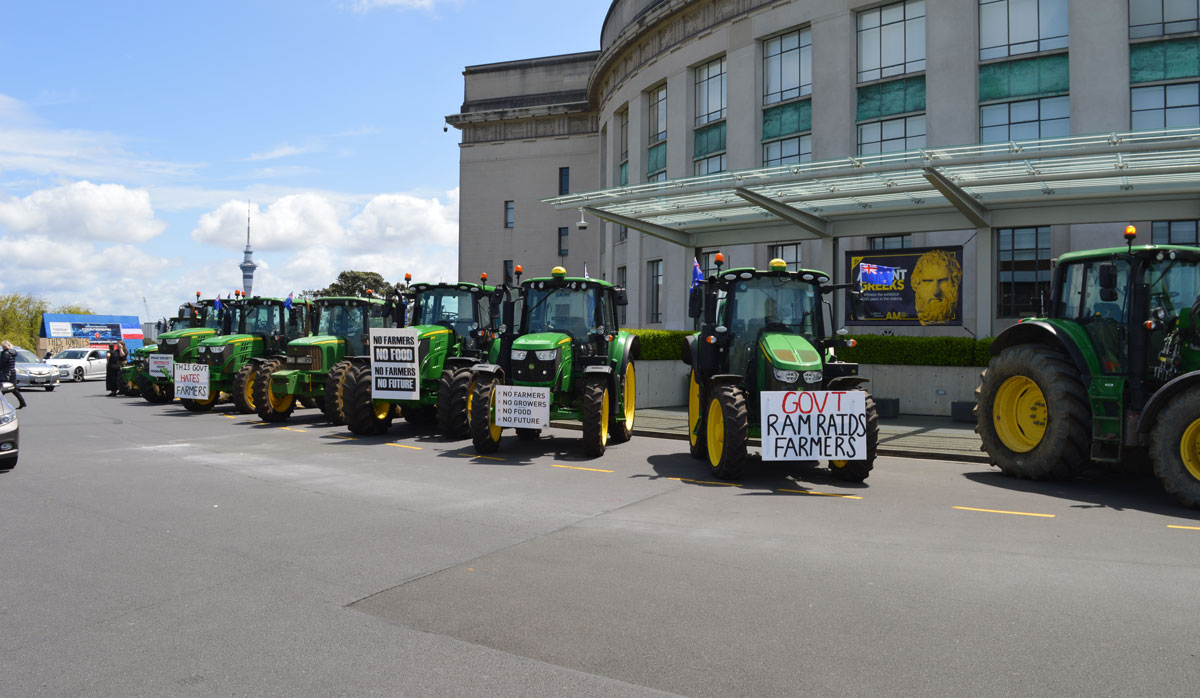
872 349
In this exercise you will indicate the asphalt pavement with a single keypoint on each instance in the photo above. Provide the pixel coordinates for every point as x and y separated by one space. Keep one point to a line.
148 551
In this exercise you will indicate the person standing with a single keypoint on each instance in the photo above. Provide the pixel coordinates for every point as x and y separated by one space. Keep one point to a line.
8 369
116 359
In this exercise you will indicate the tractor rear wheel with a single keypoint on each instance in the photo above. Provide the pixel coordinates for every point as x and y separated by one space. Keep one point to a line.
199 405
153 392
1175 447
1032 414
858 470
595 415
453 388
364 415
697 444
242 394
485 435
725 431
622 430
335 388
271 406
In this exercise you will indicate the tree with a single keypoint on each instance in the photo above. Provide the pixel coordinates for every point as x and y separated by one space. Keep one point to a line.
354 283
21 317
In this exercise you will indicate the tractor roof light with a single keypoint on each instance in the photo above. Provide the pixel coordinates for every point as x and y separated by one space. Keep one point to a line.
1130 236
483 278
777 265
719 261
558 272
407 278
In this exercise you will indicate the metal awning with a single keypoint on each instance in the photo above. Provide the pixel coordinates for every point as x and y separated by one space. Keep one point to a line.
1077 179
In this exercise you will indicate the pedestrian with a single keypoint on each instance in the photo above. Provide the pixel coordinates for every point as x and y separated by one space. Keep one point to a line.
8 369
116 359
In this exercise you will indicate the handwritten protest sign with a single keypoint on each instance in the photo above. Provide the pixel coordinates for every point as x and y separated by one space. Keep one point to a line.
814 425
160 365
525 408
395 364
191 381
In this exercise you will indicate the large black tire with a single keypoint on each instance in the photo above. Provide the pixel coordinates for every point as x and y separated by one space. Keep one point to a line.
420 415
858 470
727 419
198 405
484 436
1175 447
596 415
335 384
363 416
697 443
453 389
268 406
1044 444
622 429
153 392
242 392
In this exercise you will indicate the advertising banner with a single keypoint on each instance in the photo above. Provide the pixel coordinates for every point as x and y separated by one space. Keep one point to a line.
191 381
814 425
98 330
521 407
395 365
160 365
912 286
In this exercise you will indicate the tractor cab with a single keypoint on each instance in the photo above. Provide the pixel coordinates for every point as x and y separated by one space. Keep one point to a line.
451 314
270 323
193 322
349 319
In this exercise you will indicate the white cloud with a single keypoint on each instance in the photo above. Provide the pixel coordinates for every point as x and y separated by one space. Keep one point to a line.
390 219
282 151
83 211
291 222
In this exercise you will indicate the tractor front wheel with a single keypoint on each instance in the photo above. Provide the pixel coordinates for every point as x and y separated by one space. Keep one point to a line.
453 389
243 388
364 415
726 429
1032 414
595 415
199 405
154 393
622 430
335 389
485 435
858 470
271 406
1175 447
697 444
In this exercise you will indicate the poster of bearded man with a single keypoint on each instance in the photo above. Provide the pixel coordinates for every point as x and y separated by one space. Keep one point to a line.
936 279
906 286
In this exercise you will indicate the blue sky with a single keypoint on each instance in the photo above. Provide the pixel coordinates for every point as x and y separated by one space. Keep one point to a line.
132 136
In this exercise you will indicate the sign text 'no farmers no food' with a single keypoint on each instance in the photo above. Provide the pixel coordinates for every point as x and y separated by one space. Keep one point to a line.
395 364
191 381
521 407
814 425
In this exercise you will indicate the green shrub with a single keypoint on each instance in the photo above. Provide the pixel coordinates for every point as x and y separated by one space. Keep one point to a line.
658 345
918 351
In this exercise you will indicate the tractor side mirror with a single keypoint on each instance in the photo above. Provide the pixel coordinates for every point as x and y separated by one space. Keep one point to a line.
620 297
1108 283
506 315
696 302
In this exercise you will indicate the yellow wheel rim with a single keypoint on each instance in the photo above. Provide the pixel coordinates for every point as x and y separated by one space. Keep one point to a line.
212 397
630 396
279 403
1019 414
1189 448
838 463
382 409
604 417
248 389
715 432
693 409
493 429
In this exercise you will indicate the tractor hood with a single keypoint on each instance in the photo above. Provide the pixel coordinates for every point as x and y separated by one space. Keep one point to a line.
430 330
314 340
222 340
790 351
190 332
541 341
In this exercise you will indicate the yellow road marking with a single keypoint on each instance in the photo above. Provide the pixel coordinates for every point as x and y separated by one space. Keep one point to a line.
1014 513
704 482
415 448
1186 528
228 416
258 422
574 467
348 438
823 494
476 455
291 429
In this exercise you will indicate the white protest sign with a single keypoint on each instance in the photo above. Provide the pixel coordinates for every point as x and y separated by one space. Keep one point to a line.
395 365
814 425
524 408
191 381
160 365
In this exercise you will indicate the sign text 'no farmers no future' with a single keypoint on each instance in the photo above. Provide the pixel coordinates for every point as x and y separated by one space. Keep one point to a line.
395 364
814 425
522 407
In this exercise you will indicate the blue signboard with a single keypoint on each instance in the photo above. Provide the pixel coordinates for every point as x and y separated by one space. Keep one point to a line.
99 330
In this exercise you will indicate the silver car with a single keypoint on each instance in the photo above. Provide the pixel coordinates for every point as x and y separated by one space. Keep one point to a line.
32 372
10 435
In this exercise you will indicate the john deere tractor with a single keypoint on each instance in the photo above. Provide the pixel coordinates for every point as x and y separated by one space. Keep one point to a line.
315 367
251 328
570 352
1110 376
194 322
762 331
456 328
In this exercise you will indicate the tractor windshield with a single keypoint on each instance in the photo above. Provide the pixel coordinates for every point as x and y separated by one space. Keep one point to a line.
449 307
568 310
771 304
340 319
1103 313
179 323
262 319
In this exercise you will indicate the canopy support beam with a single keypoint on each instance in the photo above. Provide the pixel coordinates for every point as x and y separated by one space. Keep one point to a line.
679 237
961 200
814 224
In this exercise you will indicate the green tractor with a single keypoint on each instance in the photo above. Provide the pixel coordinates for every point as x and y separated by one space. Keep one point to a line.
455 326
316 366
569 356
194 322
137 364
1110 376
251 328
762 334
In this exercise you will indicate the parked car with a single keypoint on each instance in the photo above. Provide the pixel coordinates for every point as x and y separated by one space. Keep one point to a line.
10 435
80 364
32 372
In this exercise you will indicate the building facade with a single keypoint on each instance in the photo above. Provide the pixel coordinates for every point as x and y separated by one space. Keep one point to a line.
687 89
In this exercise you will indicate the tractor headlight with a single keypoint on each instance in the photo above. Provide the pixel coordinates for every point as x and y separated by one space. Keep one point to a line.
785 376
812 376
518 354
547 355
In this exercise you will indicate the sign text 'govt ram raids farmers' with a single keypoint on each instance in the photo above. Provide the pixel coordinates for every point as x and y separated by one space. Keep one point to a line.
814 425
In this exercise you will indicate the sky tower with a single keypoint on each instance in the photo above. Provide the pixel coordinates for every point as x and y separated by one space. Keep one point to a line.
248 266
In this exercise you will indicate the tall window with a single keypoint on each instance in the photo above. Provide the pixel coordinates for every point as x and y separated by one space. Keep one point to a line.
562 241
891 40
510 214
656 153
890 242
622 233
788 151
623 156
1173 233
1013 27
1025 120
1159 17
1165 106
787 66
564 181
708 265
789 253
1023 266
891 135
508 271
654 291
709 151
622 282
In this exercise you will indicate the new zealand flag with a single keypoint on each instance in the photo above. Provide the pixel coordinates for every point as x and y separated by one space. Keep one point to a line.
875 274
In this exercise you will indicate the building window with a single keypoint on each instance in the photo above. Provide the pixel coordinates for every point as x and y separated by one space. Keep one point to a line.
508 271
658 114
789 253
710 92
1025 120
708 265
562 241
564 181
654 275
622 233
789 151
622 280
891 135
787 66
1023 266
1160 17
890 242
891 40
623 157
1173 233
1165 106
1012 27
510 215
